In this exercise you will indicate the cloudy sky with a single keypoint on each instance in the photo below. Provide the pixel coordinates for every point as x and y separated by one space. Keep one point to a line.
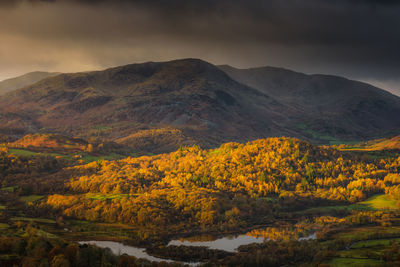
358 39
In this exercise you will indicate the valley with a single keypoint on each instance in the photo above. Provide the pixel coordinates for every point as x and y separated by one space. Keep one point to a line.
187 163
304 204
245 133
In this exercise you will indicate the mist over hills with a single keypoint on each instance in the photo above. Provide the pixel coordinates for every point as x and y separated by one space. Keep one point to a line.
196 102
11 84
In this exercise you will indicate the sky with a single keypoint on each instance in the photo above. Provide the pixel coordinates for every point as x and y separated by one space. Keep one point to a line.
357 39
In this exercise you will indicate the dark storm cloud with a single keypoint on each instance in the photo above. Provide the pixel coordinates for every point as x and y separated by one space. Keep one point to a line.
355 38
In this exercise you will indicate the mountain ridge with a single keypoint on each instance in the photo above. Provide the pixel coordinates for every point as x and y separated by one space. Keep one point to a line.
14 83
333 98
189 94
199 103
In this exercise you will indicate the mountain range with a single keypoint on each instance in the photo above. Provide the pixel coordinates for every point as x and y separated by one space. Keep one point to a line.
195 102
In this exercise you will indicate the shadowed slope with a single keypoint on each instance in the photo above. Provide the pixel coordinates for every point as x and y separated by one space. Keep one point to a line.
334 106
191 95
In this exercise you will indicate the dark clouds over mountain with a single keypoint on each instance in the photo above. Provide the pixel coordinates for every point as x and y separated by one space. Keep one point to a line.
354 38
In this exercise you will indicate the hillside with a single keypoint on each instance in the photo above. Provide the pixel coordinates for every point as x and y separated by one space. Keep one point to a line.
157 140
336 108
199 104
376 145
224 187
23 80
302 198
190 95
49 141
74 150
388 143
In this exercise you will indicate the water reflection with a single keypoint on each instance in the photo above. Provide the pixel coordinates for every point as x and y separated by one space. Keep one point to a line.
229 244
119 249
312 236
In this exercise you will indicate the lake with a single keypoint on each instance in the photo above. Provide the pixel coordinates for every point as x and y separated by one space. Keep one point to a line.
118 249
229 243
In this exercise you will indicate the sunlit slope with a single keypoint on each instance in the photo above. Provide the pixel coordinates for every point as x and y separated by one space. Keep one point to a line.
232 185
376 145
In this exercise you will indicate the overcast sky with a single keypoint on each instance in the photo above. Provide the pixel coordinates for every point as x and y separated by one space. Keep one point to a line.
358 39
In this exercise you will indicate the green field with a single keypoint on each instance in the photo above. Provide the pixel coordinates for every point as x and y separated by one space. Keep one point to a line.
8 256
87 158
374 203
28 153
369 233
39 220
330 139
330 209
368 251
9 188
375 243
98 196
90 158
46 234
102 128
30 198
380 202
340 262
22 152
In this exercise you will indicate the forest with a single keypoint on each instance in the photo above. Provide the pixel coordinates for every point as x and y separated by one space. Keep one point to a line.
280 189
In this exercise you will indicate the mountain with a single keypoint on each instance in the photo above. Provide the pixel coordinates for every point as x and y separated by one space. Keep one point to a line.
160 106
157 140
388 143
49 141
23 80
334 107
190 95
64 146
391 143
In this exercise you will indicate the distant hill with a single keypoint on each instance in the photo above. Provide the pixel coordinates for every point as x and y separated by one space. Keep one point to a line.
162 105
56 143
50 141
334 107
391 143
190 95
23 80
157 140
